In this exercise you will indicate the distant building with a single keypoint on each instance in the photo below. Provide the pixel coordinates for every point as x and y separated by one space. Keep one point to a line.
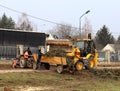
109 47
13 38
14 42
114 50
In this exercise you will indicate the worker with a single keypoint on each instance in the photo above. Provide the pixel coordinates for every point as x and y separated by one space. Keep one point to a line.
27 53
39 59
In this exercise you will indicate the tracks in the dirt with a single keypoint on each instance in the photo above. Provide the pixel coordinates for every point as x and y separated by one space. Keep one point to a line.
21 70
6 67
31 70
15 70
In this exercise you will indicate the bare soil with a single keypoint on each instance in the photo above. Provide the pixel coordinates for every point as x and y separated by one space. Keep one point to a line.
5 66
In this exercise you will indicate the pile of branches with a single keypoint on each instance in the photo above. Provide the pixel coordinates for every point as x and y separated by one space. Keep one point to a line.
57 52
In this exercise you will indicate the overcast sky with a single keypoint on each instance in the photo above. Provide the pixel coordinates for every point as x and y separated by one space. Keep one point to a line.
102 12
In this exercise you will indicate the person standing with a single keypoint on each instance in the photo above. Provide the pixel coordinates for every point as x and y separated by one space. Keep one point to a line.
27 53
39 59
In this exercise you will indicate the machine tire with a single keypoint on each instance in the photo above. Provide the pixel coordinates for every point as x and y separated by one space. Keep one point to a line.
59 69
90 64
34 65
22 62
79 66
47 66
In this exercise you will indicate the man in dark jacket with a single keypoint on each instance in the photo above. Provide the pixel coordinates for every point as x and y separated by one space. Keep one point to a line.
39 58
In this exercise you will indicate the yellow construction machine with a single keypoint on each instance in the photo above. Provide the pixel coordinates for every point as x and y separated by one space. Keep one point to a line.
83 56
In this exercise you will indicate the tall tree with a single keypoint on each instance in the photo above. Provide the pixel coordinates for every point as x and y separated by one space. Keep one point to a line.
103 36
24 23
6 22
87 28
64 31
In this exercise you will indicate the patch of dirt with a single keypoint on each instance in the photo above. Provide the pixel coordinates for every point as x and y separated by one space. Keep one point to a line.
5 66
7 89
99 71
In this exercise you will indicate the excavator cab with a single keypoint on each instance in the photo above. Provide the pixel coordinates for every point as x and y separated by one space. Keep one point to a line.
85 46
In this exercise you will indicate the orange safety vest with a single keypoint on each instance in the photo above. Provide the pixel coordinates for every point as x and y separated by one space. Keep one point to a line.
26 54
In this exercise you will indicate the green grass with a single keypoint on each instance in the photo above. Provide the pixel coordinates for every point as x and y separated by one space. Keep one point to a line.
60 82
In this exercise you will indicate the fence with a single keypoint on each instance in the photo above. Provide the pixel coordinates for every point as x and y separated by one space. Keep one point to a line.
11 52
108 56
8 52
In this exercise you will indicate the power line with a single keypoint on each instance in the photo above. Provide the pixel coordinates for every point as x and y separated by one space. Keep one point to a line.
34 16
44 19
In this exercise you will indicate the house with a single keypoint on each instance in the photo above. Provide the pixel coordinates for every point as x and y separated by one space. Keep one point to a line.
109 47
114 50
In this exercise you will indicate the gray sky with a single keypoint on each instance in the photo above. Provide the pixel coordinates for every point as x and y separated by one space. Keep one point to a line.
102 12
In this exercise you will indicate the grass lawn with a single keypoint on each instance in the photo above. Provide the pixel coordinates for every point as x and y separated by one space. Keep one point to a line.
52 81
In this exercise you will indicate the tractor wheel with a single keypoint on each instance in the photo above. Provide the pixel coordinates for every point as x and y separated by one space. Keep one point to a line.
34 65
90 64
79 66
22 62
59 69
47 66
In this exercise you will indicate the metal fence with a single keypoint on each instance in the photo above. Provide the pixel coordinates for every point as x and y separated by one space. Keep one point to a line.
8 52
11 52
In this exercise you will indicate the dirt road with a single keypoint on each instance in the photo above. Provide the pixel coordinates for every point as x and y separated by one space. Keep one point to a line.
10 70
6 67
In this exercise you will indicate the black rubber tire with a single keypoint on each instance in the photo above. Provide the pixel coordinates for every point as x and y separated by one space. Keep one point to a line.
47 66
23 62
79 66
59 69
88 65
35 65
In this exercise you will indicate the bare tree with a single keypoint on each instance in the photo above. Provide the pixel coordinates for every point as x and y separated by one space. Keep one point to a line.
63 31
87 28
24 23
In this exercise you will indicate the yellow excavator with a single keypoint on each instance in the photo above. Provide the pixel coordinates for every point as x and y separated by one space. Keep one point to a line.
83 56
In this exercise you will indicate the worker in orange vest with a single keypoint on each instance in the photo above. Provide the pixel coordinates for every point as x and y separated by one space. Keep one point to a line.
27 53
